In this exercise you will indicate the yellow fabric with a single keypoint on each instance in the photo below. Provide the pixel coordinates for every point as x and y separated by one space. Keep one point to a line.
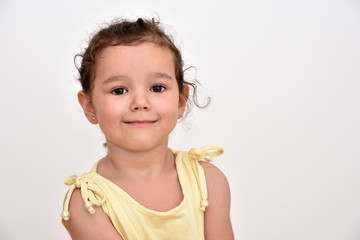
135 222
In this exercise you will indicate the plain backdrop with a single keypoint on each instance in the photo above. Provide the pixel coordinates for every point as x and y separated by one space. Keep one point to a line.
284 77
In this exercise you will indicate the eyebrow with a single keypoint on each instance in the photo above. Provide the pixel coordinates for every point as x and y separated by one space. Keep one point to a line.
114 79
160 75
155 75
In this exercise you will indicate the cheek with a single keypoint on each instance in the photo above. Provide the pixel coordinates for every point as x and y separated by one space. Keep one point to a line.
109 111
169 107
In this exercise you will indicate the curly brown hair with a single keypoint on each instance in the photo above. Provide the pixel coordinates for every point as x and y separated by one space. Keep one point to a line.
126 32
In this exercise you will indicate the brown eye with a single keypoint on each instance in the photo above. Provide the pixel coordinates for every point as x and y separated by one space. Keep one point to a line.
157 88
119 91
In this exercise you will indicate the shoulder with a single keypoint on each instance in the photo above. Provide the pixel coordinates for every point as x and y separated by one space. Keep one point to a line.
83 225
217 215
215 178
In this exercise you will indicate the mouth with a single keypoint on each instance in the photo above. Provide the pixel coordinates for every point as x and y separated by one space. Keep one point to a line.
140 123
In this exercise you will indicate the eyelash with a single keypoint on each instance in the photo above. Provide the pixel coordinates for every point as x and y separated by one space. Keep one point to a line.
158 85
121 90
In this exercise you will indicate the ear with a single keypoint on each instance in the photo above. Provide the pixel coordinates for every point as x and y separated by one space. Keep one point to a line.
87 106
182 101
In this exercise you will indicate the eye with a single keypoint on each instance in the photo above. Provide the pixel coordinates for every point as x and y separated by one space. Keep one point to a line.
157 88
119 91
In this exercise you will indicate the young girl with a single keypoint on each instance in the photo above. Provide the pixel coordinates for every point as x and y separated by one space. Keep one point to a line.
134 88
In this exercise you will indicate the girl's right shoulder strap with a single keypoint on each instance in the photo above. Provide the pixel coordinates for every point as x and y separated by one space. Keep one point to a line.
91 193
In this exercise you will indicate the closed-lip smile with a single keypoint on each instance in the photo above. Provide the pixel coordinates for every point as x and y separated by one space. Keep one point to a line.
140 123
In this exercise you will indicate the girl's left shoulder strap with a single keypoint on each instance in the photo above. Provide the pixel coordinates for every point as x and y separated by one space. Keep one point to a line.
195 155
207 153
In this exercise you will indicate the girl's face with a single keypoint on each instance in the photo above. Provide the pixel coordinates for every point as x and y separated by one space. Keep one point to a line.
135 97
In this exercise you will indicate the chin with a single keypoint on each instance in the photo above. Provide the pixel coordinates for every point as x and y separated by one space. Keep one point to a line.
144 144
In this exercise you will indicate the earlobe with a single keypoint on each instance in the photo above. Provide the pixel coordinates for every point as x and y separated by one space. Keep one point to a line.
87 106
182 101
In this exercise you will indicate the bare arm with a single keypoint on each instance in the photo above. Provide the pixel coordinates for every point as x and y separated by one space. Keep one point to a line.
83 226
217 215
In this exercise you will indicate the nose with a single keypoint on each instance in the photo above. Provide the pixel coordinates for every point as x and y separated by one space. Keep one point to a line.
140 101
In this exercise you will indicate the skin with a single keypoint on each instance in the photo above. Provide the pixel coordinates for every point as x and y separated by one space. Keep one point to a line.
136 102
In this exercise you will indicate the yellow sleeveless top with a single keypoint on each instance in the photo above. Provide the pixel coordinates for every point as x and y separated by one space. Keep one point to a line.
135 222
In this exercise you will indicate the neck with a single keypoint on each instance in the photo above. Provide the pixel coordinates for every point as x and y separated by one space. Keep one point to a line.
120 162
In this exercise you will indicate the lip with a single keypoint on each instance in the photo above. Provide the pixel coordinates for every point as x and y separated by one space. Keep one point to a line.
140 123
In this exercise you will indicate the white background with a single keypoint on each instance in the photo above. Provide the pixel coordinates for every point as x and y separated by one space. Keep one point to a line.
284 77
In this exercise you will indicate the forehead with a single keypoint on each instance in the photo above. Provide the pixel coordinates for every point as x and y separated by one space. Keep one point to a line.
143 50
130 59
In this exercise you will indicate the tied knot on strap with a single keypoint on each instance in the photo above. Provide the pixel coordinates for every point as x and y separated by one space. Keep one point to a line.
205 153
90 193
78 181
204 204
